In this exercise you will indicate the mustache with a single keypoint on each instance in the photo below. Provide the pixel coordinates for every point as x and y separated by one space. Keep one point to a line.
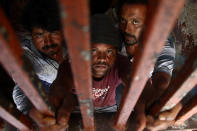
132 36
46 47
129 35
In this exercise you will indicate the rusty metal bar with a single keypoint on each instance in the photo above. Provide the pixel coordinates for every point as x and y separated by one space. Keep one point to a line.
12 120
180 85
11 55
188 110
158 28
185 88
75 17
6 108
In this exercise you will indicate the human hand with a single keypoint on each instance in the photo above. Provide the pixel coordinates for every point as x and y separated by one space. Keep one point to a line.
140 121
46 122
171 114
156 124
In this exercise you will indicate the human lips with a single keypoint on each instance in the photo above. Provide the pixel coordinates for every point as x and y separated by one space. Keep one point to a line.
129 38
100 67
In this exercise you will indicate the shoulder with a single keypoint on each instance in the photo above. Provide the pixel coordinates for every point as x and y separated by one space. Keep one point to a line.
165 61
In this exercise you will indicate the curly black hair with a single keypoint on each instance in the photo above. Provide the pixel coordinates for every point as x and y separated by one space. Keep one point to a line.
130 2
42 13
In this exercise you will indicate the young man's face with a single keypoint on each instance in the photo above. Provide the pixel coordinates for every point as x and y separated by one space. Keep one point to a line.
48 43
131 24
103 58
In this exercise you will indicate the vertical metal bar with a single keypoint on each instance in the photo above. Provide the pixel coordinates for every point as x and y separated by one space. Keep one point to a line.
180 85
75 17
12 120
158 28
11 55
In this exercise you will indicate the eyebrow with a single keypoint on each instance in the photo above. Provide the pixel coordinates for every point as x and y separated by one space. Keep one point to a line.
37 33
131 17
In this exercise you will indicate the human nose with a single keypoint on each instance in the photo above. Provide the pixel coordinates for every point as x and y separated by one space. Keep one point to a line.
102 57
47 39
128 28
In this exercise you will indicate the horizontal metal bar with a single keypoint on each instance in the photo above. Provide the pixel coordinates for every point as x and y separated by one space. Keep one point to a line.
180 85
11 55
12 120
75 17
158 27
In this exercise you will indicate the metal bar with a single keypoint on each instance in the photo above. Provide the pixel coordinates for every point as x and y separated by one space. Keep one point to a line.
188 85
180 85
158 28
12 120
188 110
77 34
11 55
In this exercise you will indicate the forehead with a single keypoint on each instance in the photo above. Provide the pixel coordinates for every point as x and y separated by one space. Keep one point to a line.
133 10
102 46
37 29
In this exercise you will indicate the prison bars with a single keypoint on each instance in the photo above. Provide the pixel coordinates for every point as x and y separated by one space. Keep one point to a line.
188 110
158 28
12 120
11 59
78 27
75 19
184 79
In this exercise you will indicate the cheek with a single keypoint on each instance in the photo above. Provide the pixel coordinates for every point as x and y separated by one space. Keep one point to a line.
57 39
138 32
111 60
39 43
93 59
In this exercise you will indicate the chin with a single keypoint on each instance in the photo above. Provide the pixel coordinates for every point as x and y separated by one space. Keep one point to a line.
98 76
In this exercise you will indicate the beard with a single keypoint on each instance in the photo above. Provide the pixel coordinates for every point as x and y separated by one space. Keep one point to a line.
129 39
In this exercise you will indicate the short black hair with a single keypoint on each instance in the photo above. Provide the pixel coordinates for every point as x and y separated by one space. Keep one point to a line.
42 13
130 2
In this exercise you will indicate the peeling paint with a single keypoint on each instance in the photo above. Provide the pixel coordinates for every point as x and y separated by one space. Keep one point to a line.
4 32
186 28
86 55
85 28
188 18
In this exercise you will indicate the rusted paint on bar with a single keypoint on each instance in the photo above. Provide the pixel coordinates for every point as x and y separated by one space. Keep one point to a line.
175 90
188 111
75 18
12 120
11 55
158 27
185 88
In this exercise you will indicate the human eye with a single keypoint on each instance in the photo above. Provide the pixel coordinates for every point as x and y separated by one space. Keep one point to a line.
93 51
55 32
38 35
109 52
122 20
136 22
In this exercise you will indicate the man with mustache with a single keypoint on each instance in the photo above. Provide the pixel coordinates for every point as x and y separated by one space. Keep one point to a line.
44 48
109 70
132 15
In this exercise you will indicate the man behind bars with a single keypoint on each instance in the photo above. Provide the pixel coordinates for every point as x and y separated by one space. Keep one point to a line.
108 71
44 49
132 15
